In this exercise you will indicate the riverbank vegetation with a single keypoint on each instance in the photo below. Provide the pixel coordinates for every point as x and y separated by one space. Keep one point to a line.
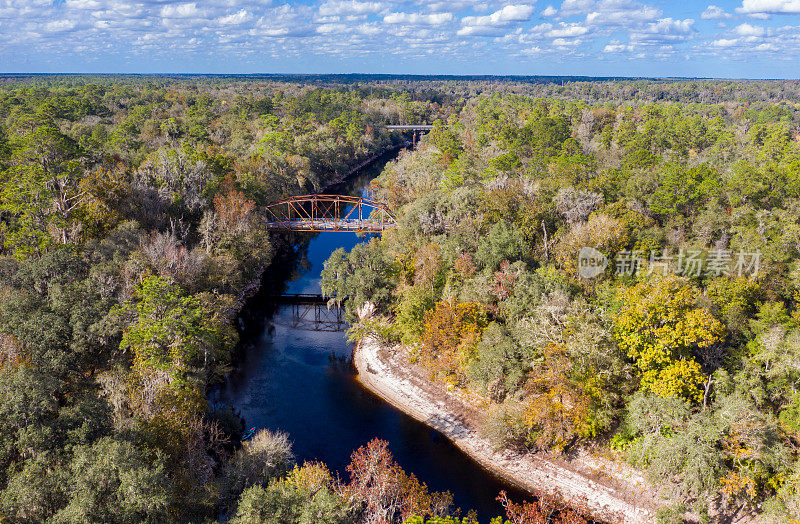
670 342
132 232
132 229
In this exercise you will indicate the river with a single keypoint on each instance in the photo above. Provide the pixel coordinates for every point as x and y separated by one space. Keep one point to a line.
294 380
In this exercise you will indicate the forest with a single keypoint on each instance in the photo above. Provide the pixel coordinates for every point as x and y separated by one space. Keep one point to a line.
132 235
679 353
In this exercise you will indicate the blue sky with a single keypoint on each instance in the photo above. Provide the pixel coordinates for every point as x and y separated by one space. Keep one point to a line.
727 38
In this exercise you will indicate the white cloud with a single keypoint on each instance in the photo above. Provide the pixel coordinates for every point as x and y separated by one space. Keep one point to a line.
352 7
453 5
284 21
750 30
621 13
281 31
59 25
769 7
476 30
725 42
327 29
668 25
713 12
566 42
743 45
495 23
532 51
550 11
543 27
189 10
83 4
766 47
369 29
664 31
418 19
508 14
574 7
617 47
567 31
780 43
242 17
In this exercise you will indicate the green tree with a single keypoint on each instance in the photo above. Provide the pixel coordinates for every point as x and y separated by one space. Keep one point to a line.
41 190
504 242
542 136
115 481
446 140
37 491
171 332
362 275
177 345
274 504
5 149
305 496
682 189
28 409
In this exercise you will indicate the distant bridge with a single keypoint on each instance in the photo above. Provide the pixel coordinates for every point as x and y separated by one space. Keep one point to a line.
410 127
415 129
339 213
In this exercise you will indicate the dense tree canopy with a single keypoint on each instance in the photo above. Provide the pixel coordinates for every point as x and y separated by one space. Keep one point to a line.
130 237
691 201
132 231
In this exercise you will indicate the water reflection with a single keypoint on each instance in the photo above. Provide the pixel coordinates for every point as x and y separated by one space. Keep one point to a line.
292 384
290 379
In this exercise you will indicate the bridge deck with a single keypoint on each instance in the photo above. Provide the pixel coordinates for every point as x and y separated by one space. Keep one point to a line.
345 226
299 298
317 213
410 127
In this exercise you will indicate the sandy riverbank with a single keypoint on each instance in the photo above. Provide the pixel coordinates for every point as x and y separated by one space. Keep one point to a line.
610 491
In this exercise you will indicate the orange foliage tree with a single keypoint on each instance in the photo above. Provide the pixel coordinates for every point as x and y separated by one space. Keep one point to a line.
233 209
451 333
385 491
545 509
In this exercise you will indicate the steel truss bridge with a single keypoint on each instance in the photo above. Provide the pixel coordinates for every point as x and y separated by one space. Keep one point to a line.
312 313
318 213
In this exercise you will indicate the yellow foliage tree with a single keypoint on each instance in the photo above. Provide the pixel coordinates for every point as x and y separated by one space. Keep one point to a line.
451 332
558 409
660 326
676 379
602 232
309 478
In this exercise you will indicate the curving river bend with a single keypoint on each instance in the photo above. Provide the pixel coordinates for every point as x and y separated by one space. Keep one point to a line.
288 380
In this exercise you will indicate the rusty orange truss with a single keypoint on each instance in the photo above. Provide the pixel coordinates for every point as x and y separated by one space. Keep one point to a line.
318 213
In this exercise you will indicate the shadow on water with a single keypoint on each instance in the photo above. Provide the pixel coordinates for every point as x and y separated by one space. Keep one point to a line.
293 380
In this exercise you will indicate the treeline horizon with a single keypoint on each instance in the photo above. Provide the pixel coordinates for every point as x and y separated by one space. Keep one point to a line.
355 76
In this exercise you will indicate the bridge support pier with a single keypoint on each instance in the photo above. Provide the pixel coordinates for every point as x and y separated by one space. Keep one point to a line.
416 129
317 317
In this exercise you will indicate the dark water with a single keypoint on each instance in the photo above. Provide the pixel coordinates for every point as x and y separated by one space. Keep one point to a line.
288 381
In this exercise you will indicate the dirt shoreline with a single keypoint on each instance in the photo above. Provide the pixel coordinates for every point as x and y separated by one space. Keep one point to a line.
608 490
